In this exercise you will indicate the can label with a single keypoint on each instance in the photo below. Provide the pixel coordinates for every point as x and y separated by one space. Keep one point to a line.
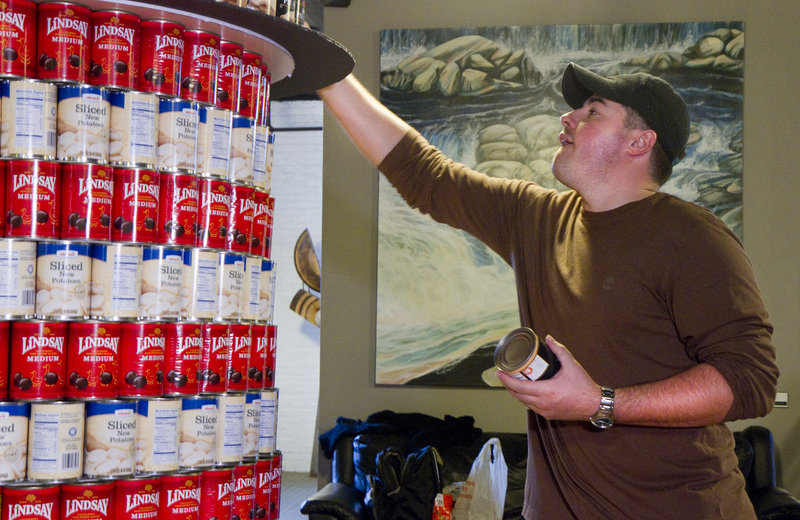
259 353
13 440
230 428
270 223
244 490
115 49
214 357
182 358
200 65
136 196
212 215
92 360
180 497
213 141
87 501
110 443
177 218
230 286
136 499
162 279
86 206
55 438
216 492
250 291
116 281
63 277
199 289
38 358
32 502
158 429
269 419
276 466
18 278
230 74
270 159
28 119
84 118
251 424
272 344
251 83
240 219
260 156
141 357
161 56
33 201
64 41
260 221
242 136
177 135
266 287
133 133
263 487
264 95
198 432
17 41
239 359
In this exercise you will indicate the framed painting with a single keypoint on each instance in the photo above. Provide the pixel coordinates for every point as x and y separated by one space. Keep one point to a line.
490 98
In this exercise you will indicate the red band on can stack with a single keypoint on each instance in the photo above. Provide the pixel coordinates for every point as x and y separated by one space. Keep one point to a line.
86 204
92 359
182 358
64 41
200 65
17 27
37 360
137 498
212 214
229 77
19 499
239 358
251 83
214 358
141 355
136 197
33 201
87 501
244 491
161 57
115 49
240 219
216 493
180 497
177 216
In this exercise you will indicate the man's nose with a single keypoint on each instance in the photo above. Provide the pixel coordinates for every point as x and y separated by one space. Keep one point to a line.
568 119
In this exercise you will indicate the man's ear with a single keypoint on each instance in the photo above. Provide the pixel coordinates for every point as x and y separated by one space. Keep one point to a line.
643 143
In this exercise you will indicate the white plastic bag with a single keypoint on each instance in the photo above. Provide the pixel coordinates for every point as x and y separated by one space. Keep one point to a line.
483 495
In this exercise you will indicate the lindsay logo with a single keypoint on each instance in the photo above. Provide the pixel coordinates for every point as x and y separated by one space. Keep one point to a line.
224 490
245 483
93 343
183 194
105 185
251 71
34 342
146 343
221 342
242 343
261 344
126 33
201 51
134 501
187 343
27 510
176 495
15 19
165 40
98 504
208 199
134 188
43 181
246 206
58 23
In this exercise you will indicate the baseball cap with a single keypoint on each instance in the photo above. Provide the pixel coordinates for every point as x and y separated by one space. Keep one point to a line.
659 105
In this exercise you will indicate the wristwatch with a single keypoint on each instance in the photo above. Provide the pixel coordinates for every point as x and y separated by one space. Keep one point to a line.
604 416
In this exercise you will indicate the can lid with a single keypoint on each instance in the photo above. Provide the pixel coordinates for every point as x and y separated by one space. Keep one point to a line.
515 349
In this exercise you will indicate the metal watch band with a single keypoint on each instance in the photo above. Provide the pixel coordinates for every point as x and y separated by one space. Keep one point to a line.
604 416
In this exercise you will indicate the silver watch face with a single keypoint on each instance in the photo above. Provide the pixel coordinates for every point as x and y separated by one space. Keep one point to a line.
602 421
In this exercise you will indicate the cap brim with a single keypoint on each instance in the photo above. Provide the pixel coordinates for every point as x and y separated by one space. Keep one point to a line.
578 83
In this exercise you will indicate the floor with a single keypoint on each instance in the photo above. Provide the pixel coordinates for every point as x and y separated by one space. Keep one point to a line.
295 488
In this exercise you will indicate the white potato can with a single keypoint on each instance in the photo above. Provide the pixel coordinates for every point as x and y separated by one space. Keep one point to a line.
213 141
240 169
55 441
268 423
116 281
162 279
230 286
199 422
63 279
251 424
84 119
177 135
199 289
13 440
17 278
28 128
110 439
250 291
133 135
158 426
260 146
230 428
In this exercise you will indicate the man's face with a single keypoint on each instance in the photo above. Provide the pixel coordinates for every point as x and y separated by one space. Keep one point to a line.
593 142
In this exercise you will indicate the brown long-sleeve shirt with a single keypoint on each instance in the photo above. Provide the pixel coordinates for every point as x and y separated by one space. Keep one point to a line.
638 294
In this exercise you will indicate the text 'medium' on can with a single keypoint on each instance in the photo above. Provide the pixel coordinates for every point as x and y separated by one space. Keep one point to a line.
522 355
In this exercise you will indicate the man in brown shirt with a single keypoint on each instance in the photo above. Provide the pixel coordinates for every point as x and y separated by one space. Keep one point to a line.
649 302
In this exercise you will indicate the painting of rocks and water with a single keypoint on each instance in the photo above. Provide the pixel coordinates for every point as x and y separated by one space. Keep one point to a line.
490 98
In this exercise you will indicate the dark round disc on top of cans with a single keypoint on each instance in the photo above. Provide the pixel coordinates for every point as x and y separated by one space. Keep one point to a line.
64 41
17 48
521 354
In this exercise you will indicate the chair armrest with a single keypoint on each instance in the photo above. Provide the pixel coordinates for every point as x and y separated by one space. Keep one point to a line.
775 504
336 501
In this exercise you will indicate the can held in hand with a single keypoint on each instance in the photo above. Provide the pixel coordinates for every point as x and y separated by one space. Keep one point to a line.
38 360
28 119
64 41
13 441
522 355
110 443
86 203
116 281
92 359
115 49
18 278
55 437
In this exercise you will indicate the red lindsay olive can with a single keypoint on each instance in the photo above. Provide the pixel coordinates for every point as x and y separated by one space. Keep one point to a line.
92 359
33 198
29 501
200 65
87 500
115 49
244 491
275 470
161 56
239 358
38 360
86 202
177 216
251 83
230 75
5 337
216 493
261 212
212 214
214 358
180 497
259 352
272 347
263 487
141 359
135 207
17 39
137 498
240 219
182 356
64 41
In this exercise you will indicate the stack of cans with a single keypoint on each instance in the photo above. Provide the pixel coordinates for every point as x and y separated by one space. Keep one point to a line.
136 280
